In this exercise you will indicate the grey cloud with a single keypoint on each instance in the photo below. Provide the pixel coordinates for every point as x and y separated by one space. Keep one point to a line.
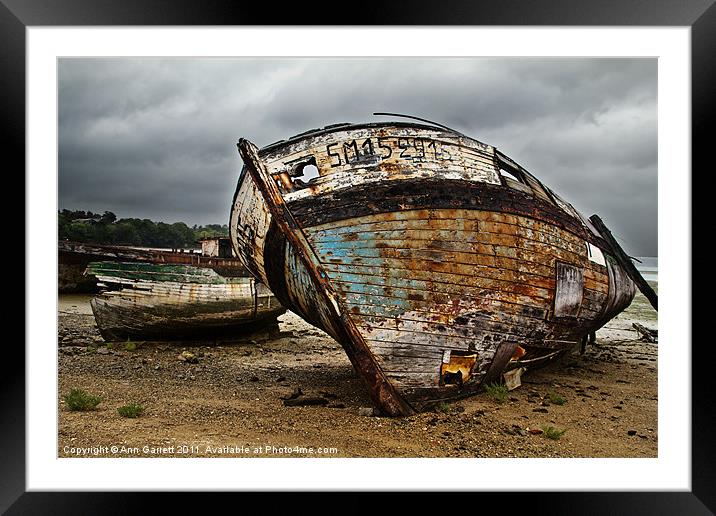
156 137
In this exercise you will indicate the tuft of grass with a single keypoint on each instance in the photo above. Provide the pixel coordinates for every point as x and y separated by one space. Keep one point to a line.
108 345
557 399
130 346
78 399
552 432
497 391
91 349
443 407
131 410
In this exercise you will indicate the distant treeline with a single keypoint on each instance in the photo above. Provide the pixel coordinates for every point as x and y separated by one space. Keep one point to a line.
95 228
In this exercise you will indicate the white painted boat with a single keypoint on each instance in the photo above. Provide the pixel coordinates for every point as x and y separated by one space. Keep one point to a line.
145 301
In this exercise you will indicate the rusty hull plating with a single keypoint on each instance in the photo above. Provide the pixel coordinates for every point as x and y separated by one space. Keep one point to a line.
435 260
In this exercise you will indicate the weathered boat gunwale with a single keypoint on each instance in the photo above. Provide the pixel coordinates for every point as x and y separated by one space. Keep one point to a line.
313 133
262 152
163 273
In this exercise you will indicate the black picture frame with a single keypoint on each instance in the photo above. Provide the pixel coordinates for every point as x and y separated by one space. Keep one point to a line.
699 15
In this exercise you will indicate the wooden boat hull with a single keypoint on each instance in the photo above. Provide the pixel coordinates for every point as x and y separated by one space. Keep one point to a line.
167 302
434 272
74 257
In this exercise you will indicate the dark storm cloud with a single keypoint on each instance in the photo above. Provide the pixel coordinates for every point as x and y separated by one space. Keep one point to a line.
156 137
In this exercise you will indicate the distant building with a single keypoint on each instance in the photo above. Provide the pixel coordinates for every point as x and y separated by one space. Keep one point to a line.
217 246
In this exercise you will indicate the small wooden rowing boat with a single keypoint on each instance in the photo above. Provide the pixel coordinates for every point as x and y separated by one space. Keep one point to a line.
148 301
434 259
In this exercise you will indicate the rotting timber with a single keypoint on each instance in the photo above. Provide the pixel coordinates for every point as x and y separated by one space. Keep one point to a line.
436 261
148 301
74 257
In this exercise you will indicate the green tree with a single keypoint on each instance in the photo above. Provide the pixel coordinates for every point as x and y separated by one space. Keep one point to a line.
85 226
108 217
126 233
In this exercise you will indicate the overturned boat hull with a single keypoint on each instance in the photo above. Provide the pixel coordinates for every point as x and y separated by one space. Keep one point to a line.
177 302
436 261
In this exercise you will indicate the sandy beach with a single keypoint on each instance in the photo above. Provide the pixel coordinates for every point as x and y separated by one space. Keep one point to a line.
230 402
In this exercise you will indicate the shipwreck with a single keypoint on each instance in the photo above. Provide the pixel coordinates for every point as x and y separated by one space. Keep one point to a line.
150 301
74 257
436 261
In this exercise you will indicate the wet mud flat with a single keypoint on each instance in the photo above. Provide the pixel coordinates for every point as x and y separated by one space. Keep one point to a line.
291 391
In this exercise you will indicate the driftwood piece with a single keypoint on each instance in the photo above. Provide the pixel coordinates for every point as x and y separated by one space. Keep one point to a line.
646 334
625 261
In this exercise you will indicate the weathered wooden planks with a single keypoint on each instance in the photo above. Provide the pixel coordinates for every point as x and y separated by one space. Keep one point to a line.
358 151
73 258
569 291
405 310
165 302
431 193
410 245
383 392
412 267
621 291
249 224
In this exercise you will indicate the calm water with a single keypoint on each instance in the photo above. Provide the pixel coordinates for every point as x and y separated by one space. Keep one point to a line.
649 268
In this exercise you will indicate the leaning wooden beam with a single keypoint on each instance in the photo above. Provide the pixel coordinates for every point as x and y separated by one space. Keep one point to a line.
382 392
625 261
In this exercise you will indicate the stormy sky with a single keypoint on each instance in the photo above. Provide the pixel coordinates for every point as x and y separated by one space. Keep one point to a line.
156 138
